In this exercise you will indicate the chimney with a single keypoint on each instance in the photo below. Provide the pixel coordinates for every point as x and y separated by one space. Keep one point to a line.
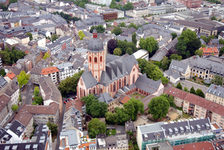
94 33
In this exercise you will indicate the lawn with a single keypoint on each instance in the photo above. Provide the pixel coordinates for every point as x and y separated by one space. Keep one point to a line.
136 95
111 132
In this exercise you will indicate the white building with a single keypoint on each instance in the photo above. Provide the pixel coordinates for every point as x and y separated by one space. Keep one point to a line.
102 2
141 54
67 70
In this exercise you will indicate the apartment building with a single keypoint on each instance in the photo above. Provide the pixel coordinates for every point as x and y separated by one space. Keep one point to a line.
215 93
208 51
51 72
191 3
176 133
198 106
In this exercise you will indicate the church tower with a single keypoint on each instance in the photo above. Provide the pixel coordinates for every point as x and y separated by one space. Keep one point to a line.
96 57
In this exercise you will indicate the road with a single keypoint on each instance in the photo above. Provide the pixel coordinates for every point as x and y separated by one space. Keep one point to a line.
189 84
27 93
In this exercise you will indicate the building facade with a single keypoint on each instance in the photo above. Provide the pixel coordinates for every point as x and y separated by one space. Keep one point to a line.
215 94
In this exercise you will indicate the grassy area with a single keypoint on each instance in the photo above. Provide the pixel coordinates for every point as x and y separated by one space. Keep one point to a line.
186 116
137 96
111 132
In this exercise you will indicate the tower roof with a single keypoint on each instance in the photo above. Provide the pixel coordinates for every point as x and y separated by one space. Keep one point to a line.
95 45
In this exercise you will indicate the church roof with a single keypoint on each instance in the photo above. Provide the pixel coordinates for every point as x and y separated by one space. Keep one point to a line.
88 79
95 45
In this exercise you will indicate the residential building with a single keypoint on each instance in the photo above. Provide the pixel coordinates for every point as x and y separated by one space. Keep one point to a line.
176 133
207 51
118 142
5 109
49 92
215 93
41 139
141 54
198 106
52 72
191 3
177 71
109 73
102 2
69 139
159 146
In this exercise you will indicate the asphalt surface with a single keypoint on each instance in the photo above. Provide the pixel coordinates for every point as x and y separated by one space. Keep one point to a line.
27 93
189 84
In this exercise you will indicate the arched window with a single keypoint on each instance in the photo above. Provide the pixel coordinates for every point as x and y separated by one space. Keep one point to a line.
95 60
101 58
125 81
89 91
120 83
90 59
94 91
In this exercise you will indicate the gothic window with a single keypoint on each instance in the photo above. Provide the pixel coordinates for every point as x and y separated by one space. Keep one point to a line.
95 60
125 81
114 87
90 59
120 83
94 91
101 58
133 79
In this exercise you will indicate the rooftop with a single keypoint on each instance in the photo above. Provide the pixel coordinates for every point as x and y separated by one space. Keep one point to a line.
195 146
49 70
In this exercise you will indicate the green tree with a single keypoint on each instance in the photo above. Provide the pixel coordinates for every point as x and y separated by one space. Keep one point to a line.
174 35
36 91
129 51
111 118
188 43
122 24
23 78
96 127
218 80
170 100
158 107
134 39
132 25
213 18
179 86
81 35
133 107
199 52
117 51
126 47
30 35
122 116
200 93
192 90
94 107
149 44
111 45
99 29
117 31
128 6
165 62
164 80
15 107
152 71
46 55
53 127
2 72
186 89
54 37
221 41
176 57
68 86
221 51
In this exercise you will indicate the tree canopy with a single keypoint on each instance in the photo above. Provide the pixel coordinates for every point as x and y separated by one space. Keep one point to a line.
2 72
149 44
38 100
10 56
218 80
179 86
192 90
188 43
99 29
117 31
94 107
15 107
68 86
200 93
111 45
152 71
23 78
96 127
81 35
53 127
158 107
174 35
117 51
130 111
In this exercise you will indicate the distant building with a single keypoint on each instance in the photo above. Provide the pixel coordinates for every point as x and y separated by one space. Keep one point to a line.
197 106
191 3
102 2
196 146
207 51
176 133
141 54
110 16
215 94
51 72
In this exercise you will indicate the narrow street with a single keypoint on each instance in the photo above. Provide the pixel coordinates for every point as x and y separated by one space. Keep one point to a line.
27 93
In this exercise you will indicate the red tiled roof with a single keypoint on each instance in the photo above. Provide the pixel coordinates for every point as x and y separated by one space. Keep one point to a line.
11 75
77 104
209 50
176 92
195 146
196 100
125 99
49 70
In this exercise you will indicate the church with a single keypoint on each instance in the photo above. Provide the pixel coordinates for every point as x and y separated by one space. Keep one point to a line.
108 73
